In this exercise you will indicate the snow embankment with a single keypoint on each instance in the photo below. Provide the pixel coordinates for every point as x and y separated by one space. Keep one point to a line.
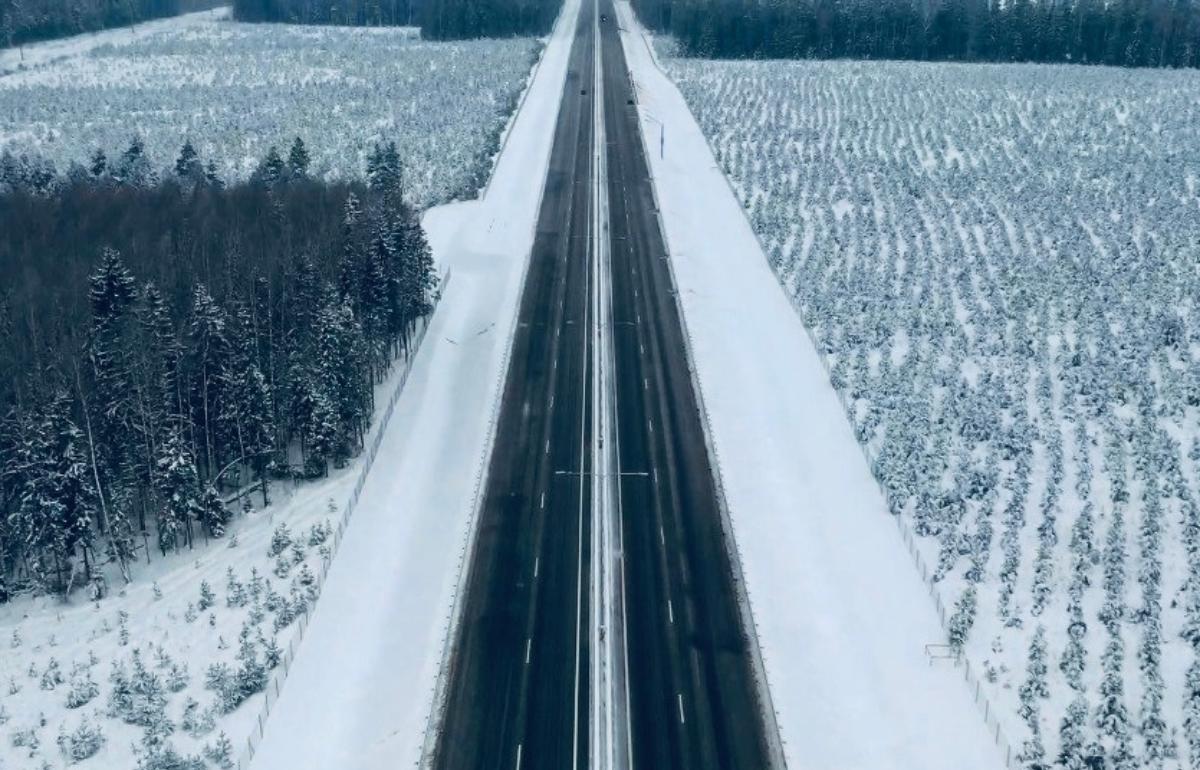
39 54
842 615
359 692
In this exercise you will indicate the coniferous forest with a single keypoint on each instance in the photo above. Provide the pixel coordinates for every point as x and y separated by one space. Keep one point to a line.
1128 33
438 19
27 21
171 346
359 13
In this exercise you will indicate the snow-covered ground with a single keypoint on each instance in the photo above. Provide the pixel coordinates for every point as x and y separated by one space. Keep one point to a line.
37 55
359 694
999 265
59 654
235 89
843 617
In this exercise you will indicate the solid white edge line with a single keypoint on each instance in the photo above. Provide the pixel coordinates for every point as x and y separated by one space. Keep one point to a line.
588 365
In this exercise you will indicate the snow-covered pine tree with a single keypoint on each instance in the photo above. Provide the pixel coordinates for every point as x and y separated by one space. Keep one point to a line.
247 414
963 619
350 380
179 489
110 413
1033 690
1112 715
76 493
212 513
350 265
188 166
209 354
134 167
272 168
417 277
298 158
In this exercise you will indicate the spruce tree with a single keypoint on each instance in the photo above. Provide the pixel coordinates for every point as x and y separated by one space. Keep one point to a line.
188 166
179 491
298 158
209 352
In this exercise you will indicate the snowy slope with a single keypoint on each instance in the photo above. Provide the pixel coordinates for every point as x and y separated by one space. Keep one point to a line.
842 613
359 693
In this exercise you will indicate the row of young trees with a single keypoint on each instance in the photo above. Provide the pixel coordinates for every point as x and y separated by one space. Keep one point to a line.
438 19
1133 33
170 345
1011 321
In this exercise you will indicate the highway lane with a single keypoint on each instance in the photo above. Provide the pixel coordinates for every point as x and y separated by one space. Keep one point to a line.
692 696
518 685
518 693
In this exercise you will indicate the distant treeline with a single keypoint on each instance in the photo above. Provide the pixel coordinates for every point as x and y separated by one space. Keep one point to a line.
438 19
1131 33
368 13
458 19
26 21
170 344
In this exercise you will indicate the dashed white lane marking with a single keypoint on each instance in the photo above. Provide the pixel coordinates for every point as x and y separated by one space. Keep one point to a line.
543 505
528 647
670 613
547 446
661 537
650 420
518 756
552 401
536 563
645 384
679 696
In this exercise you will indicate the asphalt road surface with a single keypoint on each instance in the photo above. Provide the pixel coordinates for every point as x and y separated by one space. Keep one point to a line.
518 692
693 700
518 688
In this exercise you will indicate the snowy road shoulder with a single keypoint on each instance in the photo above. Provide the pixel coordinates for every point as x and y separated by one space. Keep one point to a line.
841 613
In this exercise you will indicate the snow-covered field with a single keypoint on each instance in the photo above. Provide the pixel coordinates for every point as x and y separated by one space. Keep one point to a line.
1000 267
236 89
59 661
